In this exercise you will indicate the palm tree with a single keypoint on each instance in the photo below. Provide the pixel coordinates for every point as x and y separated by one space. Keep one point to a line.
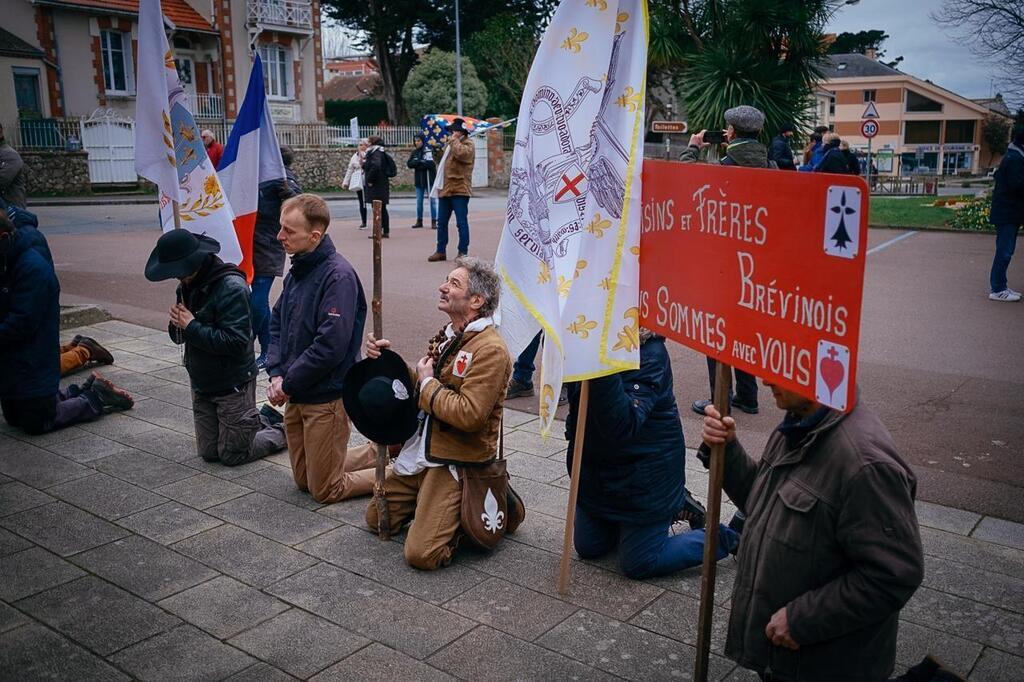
723 53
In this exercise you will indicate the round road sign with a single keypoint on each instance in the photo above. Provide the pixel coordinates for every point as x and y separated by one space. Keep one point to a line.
869 128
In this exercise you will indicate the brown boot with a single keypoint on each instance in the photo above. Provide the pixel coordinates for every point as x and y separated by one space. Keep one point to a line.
97 353
516 510
111 397
435 257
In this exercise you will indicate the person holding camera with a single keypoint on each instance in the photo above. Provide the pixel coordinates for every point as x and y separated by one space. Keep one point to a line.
743 126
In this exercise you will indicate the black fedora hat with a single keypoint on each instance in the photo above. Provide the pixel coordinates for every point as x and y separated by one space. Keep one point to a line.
380 399
179 253
458 126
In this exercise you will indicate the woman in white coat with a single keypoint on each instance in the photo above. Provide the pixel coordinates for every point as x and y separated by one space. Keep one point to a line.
354 180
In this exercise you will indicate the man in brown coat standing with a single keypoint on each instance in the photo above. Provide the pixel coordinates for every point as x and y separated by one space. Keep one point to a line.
831 549
454 190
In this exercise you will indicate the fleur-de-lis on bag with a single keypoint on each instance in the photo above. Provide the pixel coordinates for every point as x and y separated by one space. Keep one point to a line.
581 326
574 43
492 518
630 99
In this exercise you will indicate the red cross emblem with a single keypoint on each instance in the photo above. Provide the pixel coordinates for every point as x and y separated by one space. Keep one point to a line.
572 184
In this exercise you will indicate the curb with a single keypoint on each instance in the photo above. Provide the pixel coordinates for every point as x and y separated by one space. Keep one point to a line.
81 315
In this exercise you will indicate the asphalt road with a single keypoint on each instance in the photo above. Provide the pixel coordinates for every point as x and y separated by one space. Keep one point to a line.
941 363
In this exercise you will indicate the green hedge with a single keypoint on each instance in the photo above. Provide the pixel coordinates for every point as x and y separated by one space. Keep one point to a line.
370 111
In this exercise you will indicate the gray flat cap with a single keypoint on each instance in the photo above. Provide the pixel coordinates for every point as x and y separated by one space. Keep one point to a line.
745 118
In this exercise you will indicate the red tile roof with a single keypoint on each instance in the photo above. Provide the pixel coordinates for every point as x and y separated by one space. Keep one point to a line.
178 12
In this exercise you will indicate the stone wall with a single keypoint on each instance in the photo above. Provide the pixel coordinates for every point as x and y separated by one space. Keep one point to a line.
324 168
56 172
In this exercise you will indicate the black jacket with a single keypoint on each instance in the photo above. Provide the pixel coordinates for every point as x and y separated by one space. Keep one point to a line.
421 160
218 342
632 468
781 153
378 169
1008 193
267 252
852 162
833 161
316 327
29 320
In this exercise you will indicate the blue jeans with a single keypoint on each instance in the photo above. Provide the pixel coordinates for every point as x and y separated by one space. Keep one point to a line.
420 193
260 304
645 550
445 206
524 367
1006 241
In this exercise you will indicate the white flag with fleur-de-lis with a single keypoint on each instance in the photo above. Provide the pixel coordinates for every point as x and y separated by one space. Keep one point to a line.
569 252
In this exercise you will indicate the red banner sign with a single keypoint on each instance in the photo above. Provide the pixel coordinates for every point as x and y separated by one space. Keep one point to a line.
760 269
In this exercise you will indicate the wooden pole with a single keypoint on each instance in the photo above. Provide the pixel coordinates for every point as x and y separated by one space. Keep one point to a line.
723 379
383 516
177 215
574 488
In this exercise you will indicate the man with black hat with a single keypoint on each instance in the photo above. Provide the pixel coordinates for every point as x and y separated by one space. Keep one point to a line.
454 190
744 149
460 388
213 320
316 329
30 395
780 152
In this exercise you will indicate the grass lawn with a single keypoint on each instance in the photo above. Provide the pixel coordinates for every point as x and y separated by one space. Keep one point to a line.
909 212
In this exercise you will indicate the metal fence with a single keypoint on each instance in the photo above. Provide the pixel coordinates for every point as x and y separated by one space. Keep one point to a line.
44 133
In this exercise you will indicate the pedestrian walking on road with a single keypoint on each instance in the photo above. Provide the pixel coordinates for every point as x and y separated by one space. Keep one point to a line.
267 252
315 333
31 398
830 550
1007 215
212 318
454 190
378 169
354 180
421 160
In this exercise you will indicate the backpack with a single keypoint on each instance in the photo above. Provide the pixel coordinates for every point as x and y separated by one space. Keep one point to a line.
388 165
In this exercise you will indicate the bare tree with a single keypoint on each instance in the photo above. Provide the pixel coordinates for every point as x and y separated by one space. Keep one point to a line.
994 30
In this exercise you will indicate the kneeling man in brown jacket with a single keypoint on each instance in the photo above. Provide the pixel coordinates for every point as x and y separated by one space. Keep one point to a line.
461 384
830 551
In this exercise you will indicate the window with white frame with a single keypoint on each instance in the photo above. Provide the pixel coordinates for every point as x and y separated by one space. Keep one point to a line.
277 71
118 71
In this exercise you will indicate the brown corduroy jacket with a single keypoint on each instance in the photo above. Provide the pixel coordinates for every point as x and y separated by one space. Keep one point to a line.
465 399
458 169
831 535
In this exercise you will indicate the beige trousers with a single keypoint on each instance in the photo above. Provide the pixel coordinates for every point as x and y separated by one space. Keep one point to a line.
434 498
318 447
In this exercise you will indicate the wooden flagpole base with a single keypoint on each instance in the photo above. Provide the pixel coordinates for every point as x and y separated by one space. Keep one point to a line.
380 471
574 488
723 381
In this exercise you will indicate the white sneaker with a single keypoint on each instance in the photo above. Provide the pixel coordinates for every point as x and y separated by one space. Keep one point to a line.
1008 295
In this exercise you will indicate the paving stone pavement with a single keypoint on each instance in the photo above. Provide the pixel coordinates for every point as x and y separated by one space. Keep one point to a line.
125 556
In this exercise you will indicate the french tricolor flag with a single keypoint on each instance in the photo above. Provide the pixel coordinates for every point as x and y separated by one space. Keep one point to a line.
251 156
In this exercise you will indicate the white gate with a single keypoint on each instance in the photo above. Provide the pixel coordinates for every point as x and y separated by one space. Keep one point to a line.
110 140
480 164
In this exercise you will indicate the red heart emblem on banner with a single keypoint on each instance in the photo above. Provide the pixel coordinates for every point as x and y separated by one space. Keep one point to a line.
460 365
832 371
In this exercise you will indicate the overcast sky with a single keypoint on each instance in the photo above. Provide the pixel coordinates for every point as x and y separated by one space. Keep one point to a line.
929 51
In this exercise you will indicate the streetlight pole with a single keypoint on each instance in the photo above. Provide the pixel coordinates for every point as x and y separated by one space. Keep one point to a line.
458 62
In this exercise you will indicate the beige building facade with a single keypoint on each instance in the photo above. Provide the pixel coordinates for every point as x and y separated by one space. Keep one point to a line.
922 128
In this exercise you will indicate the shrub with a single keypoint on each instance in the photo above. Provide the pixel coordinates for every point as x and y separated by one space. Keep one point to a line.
973 215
